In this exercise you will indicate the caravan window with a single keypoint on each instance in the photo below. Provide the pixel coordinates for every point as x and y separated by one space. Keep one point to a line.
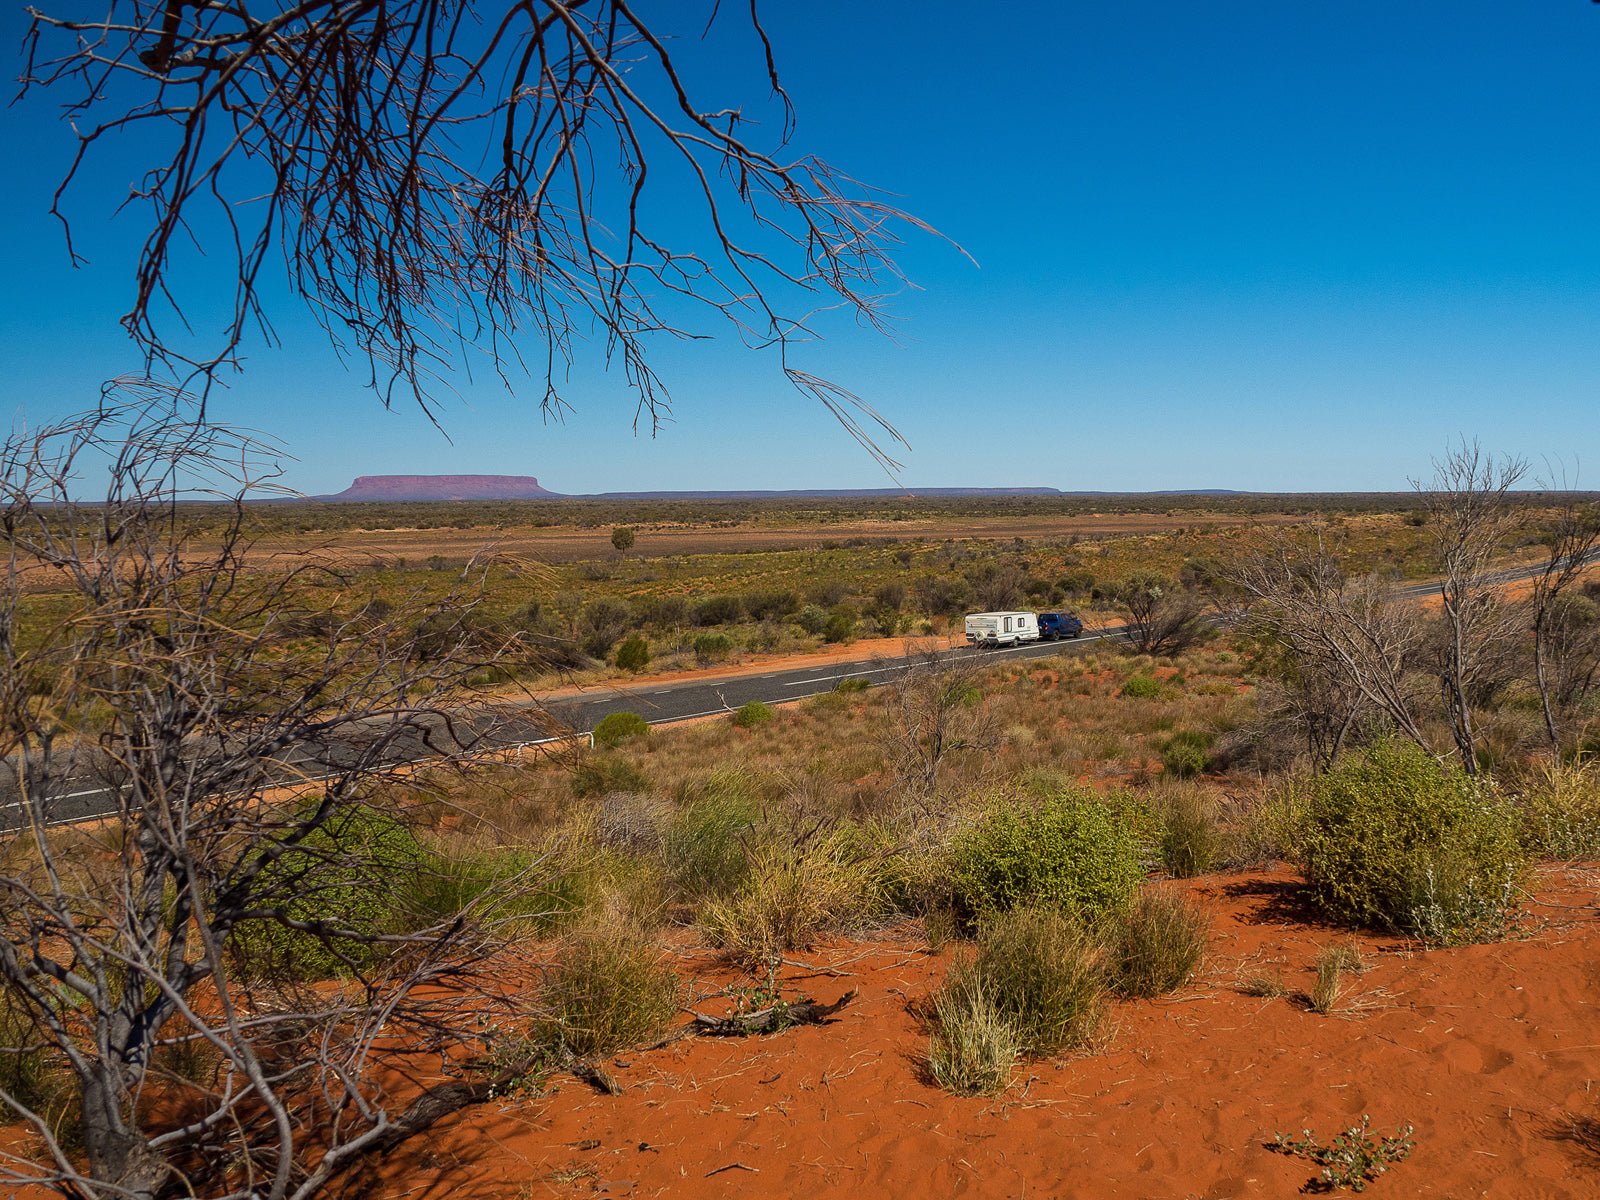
1008 624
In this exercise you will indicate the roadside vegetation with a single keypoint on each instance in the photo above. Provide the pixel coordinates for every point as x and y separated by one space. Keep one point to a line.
1028 821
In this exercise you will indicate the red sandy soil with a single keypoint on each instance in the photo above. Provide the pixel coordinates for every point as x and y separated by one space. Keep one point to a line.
1492 1052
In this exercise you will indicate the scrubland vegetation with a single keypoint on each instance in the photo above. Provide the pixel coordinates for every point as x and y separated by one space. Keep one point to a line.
493 924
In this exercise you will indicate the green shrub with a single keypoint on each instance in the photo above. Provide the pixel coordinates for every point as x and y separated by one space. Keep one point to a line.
974 1045
717 610
840 625
1042 972
618 727
852 684
764 606
602 774
748 716
1156 945
1187 753
1396 840
812 618
495 882
703 847
1142 687
347 874
712 647
607 990
1066 850
634 653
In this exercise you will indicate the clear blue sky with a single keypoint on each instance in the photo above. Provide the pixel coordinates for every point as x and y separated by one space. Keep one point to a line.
1276 246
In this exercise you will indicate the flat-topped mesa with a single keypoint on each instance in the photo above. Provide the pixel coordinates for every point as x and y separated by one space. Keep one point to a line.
445 487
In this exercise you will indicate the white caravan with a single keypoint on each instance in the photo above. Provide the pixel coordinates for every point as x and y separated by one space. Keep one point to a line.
1002 628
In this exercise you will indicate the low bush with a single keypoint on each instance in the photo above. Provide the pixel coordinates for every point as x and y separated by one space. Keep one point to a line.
607 990
717 610
812 618
1156 945
764 606
973 1045
601 774
1394 839
1192 841
840 625
633 654
347 874
712 647
498 884
616 728
1187 753
1040 971
1142 686
1066 850
748 716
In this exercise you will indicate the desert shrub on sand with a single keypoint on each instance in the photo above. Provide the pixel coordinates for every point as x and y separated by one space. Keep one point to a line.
1187 753
1066 850
1559 811
618 727
712 647
1396 840
634 653
1041 971
1156 945
608 989
748 716
1142 686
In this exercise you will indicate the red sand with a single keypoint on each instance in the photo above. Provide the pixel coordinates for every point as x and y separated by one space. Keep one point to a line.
1490 1051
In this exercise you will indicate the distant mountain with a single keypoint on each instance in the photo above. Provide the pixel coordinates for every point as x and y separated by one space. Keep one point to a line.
445 487
392 488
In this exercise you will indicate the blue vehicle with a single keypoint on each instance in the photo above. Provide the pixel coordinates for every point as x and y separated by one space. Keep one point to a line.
1057 625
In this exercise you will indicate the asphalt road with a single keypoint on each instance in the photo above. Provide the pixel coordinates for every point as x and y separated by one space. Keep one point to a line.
493 729
82 797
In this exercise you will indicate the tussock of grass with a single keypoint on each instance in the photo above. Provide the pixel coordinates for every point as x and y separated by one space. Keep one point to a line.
1333 965
790 895
1558 806
1044 973
1192 841
608 989
974 1045
1157 945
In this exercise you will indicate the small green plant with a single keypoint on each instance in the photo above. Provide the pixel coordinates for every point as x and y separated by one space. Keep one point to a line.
973 1046
618 727
1352 1159
748 716
1142 686
1156 945
703 846
712 647
1067 850
851 685
634 653
608 989
1187 753
840 625
1267 987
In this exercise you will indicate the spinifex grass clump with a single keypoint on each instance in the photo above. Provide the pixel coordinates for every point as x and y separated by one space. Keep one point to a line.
1396 840
1155 946
607 990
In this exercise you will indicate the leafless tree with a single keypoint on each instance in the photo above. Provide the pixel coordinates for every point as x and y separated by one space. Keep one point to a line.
1158 616
932 712
1566 633
1354 645
1472 517
234 740
443 178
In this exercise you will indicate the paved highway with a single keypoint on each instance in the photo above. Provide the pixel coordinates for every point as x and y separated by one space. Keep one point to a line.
500 728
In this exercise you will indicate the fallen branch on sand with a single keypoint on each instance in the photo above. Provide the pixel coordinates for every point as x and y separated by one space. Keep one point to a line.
785 1014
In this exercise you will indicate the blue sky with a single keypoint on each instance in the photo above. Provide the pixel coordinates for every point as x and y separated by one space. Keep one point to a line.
1273 246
